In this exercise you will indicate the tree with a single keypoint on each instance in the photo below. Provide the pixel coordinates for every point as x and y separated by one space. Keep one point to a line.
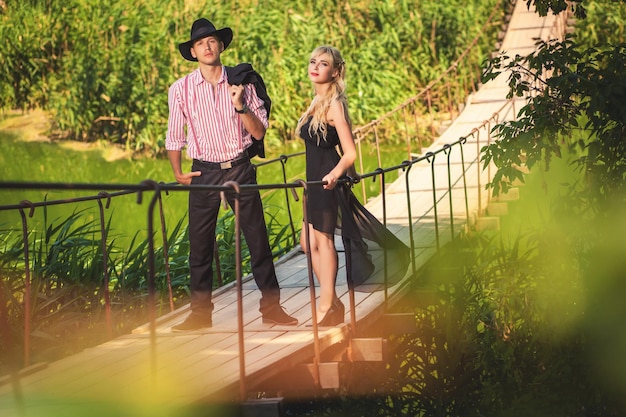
576 105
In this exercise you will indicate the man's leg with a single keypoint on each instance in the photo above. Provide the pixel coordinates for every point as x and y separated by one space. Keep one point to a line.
203 210
261 260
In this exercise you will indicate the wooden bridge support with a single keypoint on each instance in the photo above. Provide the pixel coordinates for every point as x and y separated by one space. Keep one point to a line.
354 364
497 207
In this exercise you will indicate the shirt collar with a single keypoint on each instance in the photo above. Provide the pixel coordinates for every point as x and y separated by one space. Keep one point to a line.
198 79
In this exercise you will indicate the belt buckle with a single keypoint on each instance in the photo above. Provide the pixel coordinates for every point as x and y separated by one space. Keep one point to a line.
226 165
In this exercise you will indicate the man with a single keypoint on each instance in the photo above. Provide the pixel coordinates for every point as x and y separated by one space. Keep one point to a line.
222 121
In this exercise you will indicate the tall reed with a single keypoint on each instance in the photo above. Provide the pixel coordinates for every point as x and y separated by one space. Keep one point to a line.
103 69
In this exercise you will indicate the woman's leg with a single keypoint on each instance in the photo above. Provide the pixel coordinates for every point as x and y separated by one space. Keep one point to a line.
324 261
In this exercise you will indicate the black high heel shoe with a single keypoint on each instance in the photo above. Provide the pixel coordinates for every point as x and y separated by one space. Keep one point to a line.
334 315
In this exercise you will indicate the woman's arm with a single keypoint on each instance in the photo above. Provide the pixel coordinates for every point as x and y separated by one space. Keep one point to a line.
336 116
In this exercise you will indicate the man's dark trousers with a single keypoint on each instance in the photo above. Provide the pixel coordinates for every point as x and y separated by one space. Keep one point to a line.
204 206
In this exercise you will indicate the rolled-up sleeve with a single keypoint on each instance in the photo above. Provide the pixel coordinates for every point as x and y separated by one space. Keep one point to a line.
175 139
255 104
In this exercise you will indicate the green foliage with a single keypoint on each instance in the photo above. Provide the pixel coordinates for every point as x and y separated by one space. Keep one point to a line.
543 7
576 88
65 275
96 66
603 24
575 105
488 342
103 69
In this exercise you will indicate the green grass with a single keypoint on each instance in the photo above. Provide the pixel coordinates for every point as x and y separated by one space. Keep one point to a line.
52 163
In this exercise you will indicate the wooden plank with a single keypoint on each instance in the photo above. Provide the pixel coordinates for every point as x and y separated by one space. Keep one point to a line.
304 378
399 323
367 350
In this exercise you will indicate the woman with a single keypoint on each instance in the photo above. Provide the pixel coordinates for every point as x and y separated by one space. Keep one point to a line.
324 126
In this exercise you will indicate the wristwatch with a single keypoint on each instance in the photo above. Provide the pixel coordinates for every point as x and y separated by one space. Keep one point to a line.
243 110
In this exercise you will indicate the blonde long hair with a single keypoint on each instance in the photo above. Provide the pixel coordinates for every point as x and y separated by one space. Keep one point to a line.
320 105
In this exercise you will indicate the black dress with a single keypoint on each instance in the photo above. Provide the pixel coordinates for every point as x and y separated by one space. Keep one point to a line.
338 209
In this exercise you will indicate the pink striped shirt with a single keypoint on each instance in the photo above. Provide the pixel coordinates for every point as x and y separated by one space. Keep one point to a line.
219 132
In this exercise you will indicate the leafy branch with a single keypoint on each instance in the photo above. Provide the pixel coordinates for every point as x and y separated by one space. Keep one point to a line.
575 104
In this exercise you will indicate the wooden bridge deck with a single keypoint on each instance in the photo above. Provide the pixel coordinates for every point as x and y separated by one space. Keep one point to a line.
116 378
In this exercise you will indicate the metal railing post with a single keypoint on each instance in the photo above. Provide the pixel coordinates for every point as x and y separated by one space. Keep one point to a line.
447 149
166 255
407 168
152 276
309 263
105 263
242 352
27 281
283 162
430 155
381 172
462 142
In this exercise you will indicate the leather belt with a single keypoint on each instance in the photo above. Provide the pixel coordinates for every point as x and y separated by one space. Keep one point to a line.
226 164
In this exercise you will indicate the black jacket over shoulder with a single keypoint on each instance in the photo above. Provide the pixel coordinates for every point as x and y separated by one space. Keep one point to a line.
245 74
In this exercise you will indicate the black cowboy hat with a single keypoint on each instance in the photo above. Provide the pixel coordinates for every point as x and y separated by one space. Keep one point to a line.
202 28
